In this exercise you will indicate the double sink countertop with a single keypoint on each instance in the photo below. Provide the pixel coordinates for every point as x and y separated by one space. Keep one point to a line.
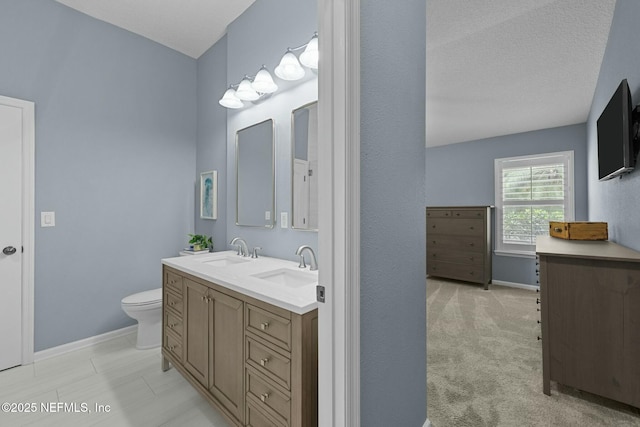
272 280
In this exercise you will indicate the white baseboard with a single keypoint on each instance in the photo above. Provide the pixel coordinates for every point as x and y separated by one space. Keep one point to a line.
87 342
514 285
427 423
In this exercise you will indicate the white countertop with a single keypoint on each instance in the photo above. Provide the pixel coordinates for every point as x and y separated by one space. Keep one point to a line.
240 277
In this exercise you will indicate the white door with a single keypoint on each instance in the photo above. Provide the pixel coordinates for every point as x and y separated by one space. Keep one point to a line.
11 136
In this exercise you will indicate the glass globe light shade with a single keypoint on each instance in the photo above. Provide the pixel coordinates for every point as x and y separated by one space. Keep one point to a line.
309 58
245 92
263 83
289 68
230 100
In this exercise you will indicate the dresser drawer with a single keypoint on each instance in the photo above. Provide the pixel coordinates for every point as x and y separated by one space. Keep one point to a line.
458 257
173 345
269 326
468 273
268 398
461 243
468 213
439 213
269 362
173 323
173 281
173 302
457 227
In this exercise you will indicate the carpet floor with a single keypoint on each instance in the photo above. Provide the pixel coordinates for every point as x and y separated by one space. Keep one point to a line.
484 364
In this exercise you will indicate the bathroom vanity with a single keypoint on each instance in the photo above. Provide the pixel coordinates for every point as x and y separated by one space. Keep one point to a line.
244 333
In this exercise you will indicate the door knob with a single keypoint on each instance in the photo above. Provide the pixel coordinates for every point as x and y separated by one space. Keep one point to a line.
9 250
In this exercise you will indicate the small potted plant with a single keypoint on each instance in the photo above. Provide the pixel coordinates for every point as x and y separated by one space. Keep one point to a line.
201 242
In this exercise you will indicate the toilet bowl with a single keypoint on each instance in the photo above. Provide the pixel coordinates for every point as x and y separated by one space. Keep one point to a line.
146 308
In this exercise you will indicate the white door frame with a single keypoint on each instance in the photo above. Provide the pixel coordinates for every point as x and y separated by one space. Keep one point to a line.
339 213
28 221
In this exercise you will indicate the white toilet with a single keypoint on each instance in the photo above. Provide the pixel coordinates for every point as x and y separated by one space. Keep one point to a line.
146 308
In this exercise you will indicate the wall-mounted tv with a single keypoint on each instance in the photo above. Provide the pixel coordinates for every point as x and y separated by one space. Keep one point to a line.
616 134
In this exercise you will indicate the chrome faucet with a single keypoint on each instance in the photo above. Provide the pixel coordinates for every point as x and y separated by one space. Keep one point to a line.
241 245
312 257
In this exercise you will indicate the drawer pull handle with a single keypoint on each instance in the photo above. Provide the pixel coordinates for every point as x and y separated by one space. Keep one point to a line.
539 339
471 228
264 397
264 326
471 244
172 325
557 229
263 362
537 300
172 347
172 303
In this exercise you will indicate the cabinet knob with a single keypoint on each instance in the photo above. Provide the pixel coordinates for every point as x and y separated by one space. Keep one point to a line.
537 300
264 397
539 339
538 289
172 325
172 303
264 326
264 361
539 322
172 347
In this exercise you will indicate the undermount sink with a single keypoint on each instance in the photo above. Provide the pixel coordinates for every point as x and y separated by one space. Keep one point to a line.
288 277
224 261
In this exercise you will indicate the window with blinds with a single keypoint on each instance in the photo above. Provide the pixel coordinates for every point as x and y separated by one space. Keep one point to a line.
530 192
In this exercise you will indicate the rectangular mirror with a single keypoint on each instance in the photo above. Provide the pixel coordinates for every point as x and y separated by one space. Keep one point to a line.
255 175
304 145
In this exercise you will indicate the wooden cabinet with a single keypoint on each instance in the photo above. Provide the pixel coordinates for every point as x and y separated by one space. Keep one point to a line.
256 363
590 309
459 243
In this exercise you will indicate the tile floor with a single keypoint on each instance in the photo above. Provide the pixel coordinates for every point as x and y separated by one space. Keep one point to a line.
110 373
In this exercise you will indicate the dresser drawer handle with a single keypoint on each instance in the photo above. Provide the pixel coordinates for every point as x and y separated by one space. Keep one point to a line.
557 229
264 326
172 303
264 397
263 362
172 325
172 347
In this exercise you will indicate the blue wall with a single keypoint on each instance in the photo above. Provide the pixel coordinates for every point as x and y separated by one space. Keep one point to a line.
212 138
115 155
393 291
463 174
259 36
616 201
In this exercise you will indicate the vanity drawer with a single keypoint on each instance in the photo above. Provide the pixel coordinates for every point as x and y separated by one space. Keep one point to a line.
268 398
438 213
460 227
173 323
173 301
173 345
268 362
269 326
173 281
468 213
255 418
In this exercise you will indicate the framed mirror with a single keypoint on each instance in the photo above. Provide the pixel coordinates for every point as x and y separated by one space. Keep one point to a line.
304 167
255 175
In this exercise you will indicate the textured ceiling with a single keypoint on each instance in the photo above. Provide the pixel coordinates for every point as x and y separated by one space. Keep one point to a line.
188 26
498 67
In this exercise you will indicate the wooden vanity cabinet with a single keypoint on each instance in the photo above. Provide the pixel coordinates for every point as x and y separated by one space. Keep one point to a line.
590 309
256 363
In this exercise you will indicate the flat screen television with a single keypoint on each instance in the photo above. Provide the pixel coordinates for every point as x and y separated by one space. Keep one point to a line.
615 135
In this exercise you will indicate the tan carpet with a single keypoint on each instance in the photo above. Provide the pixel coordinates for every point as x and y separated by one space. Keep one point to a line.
484 364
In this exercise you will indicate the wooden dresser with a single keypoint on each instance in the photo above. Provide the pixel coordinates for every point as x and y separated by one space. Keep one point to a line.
590 309
459 243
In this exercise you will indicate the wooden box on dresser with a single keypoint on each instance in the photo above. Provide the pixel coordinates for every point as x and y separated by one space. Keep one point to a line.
255 362
459 243
590 309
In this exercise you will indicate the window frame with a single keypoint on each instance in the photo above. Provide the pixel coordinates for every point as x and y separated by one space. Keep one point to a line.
566 157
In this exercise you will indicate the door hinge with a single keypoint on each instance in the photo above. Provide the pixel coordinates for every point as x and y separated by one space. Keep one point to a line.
310 172
320 293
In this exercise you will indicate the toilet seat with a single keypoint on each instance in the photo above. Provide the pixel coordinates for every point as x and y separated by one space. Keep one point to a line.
152 297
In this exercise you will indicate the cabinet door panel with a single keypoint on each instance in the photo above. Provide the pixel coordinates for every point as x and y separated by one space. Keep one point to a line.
227 356
196 319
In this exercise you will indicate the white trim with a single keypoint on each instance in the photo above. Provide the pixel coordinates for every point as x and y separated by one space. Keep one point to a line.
339 214
521 254
514 285
427 423
83 343
28 221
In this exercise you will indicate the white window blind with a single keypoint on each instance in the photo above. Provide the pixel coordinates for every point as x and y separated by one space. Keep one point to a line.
530 192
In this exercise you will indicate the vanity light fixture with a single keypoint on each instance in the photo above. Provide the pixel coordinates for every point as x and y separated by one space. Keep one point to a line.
230 100
289 68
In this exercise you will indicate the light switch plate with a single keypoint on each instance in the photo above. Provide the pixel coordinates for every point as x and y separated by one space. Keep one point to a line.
284 220
47 219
